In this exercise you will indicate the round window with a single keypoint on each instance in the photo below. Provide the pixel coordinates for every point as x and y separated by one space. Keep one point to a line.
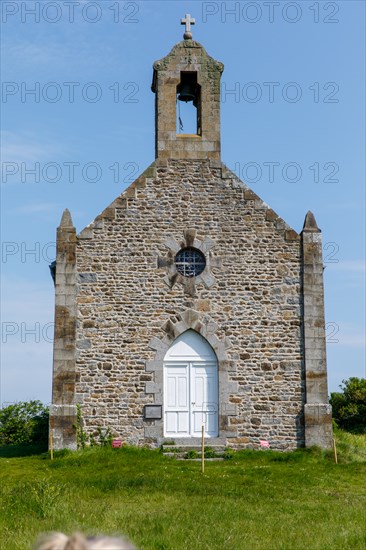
190 262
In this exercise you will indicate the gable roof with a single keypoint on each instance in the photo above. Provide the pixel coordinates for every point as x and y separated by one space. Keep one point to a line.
149 175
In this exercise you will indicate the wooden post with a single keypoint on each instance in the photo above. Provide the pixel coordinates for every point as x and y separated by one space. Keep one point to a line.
51 444
335 451
203 449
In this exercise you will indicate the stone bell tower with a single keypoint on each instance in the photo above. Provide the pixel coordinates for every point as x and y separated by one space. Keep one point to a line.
187 73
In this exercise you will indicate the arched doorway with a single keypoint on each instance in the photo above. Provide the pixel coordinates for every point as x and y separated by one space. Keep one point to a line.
190 387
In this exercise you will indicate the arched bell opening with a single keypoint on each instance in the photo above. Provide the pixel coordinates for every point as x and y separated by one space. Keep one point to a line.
189 104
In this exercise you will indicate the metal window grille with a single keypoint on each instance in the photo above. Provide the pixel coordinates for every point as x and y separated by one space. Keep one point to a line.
190 262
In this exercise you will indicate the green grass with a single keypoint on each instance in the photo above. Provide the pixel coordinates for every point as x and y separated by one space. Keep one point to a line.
256 500
350 447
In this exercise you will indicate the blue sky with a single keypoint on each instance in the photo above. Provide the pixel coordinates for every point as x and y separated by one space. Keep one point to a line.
293 128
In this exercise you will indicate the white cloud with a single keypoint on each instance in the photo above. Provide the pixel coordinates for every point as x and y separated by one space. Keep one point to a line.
29 53
358 266
35 208
26 147
55 48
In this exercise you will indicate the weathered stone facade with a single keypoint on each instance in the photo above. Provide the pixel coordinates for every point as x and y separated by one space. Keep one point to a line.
258 302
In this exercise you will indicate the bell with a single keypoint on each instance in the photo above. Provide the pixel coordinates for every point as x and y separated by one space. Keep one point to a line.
187 92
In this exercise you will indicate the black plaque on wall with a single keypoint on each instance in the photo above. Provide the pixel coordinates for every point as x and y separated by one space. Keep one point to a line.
152 412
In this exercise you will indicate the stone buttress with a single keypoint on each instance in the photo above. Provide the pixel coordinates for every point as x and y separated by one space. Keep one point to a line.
318 412
62 410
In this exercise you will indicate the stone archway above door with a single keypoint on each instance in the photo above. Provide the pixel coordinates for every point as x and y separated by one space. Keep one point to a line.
206 327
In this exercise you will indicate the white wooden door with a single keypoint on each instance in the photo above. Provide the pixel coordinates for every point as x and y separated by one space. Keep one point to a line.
190 388
190 400
176 400
204 409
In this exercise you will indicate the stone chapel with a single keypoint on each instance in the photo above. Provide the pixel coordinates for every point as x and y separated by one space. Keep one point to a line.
188 302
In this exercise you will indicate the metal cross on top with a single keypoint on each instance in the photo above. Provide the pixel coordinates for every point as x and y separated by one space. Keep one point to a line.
187 22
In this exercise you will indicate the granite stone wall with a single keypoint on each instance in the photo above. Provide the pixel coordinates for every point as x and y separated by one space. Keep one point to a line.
131 303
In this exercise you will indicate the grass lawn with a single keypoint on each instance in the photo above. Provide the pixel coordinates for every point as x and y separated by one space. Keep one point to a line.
256 500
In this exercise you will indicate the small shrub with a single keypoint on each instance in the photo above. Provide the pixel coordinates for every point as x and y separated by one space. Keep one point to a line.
172 450
210 453
229 454
349 407
105 437
24 423
192 454
81 435
83 440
